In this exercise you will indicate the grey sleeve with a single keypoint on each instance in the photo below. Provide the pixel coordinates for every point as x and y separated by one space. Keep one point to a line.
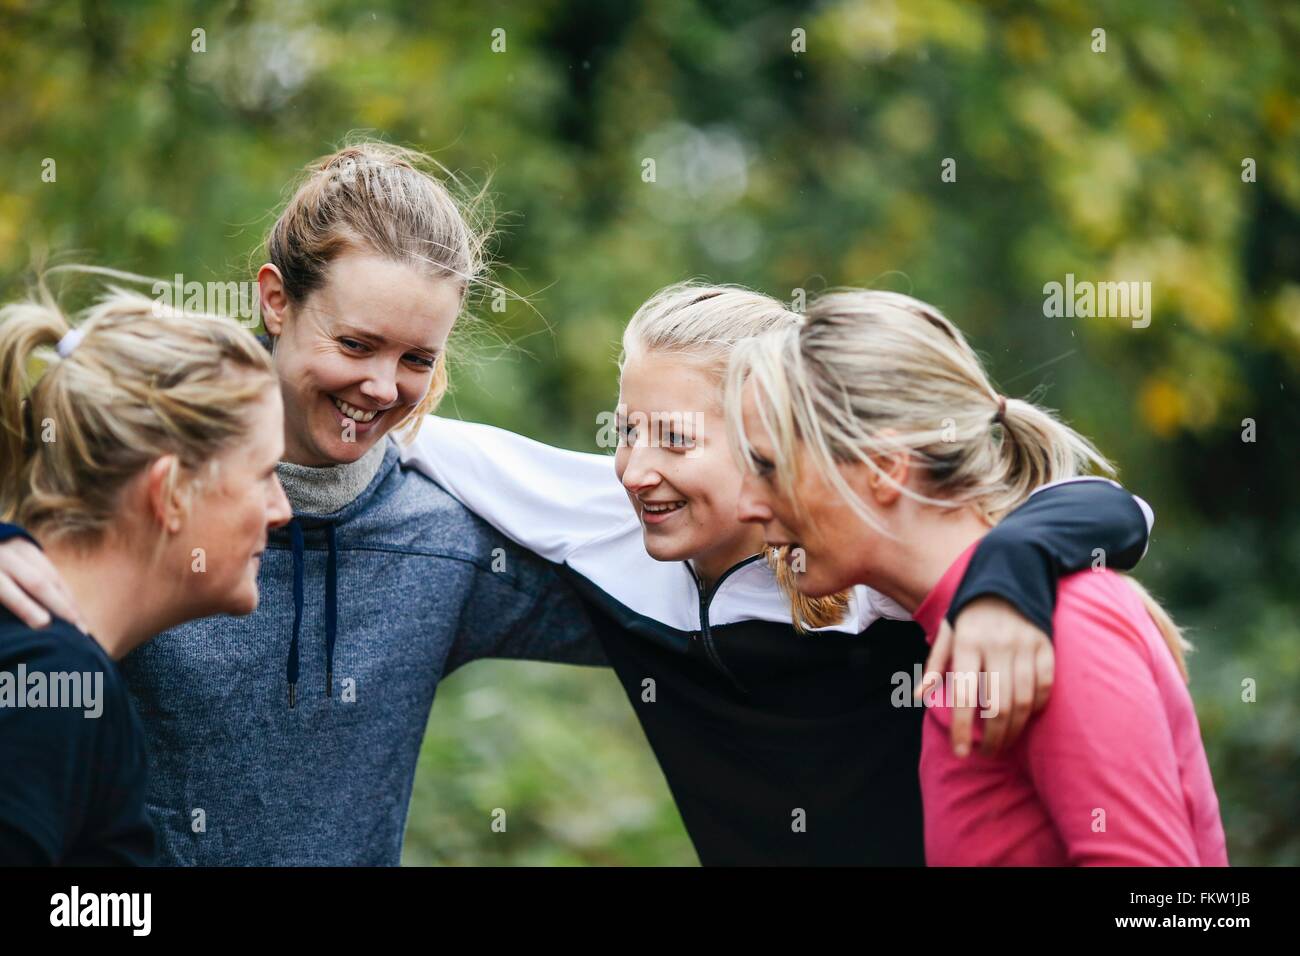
520 607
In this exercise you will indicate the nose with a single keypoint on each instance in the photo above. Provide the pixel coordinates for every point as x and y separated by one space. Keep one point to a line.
280 511
381 386
639 476
752 504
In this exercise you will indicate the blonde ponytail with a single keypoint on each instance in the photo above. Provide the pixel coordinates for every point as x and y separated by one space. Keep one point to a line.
29 333
143 381
1034 448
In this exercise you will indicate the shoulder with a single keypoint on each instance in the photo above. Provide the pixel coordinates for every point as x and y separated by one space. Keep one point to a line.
1091 591
57 646
409 510
419 516
55 677
1101 624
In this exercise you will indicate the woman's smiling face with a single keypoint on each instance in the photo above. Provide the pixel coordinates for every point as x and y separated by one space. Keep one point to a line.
358 354
676 467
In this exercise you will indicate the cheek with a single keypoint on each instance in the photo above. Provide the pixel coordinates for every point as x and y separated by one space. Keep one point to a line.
412 386
328 373
714 493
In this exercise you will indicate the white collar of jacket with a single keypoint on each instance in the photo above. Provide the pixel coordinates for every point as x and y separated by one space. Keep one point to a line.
570 508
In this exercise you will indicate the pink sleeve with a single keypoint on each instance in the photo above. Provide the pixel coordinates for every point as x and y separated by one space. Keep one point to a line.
1102 754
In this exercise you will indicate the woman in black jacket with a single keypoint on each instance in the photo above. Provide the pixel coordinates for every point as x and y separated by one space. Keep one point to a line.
140 457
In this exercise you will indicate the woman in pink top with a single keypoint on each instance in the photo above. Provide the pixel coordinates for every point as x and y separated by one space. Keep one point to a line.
878 453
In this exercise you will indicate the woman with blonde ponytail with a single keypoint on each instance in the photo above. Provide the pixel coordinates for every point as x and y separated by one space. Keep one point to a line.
137 450
771 710
875 445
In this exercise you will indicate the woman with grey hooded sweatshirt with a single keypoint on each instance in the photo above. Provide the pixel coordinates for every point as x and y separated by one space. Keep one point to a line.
290 736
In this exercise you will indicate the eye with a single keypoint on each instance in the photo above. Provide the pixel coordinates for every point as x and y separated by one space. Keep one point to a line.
762 467
420 360
626 434
675 439
351 344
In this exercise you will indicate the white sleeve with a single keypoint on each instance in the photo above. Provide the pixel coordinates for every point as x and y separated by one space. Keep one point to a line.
546 499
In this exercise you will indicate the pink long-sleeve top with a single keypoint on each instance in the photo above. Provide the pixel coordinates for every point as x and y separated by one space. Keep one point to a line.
1111 772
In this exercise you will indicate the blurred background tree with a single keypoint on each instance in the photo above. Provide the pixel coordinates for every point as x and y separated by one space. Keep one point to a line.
796 146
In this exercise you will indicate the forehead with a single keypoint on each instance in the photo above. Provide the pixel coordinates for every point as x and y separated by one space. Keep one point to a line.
664 382
755 433
396 302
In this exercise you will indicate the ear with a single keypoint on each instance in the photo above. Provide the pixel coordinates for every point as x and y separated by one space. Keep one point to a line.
888 477
275 301
890 474
164 494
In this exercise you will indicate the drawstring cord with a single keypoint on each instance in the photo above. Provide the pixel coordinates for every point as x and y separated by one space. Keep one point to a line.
331 606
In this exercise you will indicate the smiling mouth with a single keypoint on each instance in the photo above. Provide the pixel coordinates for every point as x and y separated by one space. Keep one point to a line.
359 415
657 512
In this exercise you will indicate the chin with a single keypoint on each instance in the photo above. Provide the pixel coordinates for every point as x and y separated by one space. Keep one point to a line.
243 604
662 550
815 585
343 452
243 599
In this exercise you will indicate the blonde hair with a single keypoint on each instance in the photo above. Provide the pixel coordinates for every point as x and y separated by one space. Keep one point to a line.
875 374
144 381
704 324
393 201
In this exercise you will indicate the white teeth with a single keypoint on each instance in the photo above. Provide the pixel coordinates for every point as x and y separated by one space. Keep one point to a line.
656 509
352 412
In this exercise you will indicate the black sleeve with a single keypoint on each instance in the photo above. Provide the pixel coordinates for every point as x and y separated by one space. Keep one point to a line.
8 531
1062 529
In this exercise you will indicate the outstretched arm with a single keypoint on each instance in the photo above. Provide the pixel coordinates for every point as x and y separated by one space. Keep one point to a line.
548 499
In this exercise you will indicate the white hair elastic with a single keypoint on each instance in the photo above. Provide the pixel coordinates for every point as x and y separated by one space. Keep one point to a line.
71 339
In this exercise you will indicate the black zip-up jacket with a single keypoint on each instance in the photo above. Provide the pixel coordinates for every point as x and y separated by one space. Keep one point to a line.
779 747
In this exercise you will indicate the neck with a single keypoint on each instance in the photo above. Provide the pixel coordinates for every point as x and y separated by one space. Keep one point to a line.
119 597
930 542
713 565
331 488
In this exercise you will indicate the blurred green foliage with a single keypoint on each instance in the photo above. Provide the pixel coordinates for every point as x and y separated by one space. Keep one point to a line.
780 170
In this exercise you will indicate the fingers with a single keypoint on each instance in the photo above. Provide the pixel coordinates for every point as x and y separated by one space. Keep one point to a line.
935 663
1045 671
34 588
998 662
964 662
20 605
46 586
1024 678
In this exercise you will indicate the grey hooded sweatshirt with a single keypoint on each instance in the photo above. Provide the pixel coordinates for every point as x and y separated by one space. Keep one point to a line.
290 736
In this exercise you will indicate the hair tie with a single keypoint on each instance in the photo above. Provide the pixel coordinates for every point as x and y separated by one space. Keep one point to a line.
1000 415
71 339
